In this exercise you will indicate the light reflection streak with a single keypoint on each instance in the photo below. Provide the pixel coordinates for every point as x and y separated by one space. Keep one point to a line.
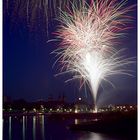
76 121
93 136
23 128
34 127
42 127
10 125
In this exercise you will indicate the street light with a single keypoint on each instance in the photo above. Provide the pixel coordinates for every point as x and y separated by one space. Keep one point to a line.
80 99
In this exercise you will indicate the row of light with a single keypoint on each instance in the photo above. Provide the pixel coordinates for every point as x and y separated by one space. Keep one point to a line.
81 110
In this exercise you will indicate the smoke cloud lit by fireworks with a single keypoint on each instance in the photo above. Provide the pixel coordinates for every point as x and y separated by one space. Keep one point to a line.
89 34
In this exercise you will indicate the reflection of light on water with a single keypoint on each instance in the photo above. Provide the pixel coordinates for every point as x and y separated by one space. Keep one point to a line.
96 136
96 119
23 128
10 127
92 136
76 121
42 127
26 120
34 127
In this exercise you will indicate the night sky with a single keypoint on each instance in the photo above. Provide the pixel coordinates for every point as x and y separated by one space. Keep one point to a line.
27 62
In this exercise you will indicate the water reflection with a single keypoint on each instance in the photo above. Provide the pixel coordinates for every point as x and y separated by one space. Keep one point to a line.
38 124
95 136
23 127
42 127
76 121
10 125
34 127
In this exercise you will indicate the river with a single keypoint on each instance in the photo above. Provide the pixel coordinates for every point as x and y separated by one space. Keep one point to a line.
40 127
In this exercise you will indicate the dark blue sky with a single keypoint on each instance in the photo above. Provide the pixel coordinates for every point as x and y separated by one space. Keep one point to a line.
27 63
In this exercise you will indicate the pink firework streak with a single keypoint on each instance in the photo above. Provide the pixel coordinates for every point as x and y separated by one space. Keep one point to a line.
89 34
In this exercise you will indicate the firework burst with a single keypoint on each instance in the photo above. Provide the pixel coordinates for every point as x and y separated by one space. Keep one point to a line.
89 34
31 11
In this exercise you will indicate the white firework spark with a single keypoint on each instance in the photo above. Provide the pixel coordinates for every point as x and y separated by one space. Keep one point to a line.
89 34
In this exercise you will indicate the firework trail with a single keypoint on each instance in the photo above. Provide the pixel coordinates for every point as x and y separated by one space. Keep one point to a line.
89 34
30 11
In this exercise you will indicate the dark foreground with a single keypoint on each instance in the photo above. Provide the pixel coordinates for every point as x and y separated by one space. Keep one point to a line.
110 124
101 126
